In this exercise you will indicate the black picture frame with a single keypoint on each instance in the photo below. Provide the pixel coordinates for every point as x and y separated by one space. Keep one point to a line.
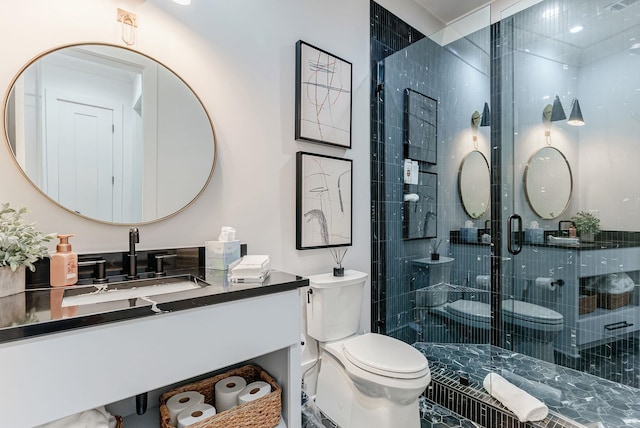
324 201
420 220
420 127
323 97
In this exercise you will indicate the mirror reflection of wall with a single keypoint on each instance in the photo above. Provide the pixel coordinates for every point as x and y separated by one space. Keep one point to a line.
101 130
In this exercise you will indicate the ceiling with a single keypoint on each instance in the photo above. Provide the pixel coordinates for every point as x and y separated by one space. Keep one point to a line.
448 11
609 25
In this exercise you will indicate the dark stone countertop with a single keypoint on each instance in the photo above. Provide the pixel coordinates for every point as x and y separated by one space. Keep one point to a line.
40 311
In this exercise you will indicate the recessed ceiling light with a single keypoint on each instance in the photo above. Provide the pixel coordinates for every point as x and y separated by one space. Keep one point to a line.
576 29
551 12
183 2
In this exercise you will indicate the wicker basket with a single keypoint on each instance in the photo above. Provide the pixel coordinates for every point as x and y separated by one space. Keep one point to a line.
119 422
588 303
264 412
613 301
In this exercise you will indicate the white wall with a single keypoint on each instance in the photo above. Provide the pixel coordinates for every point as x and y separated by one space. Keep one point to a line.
239 57
609 149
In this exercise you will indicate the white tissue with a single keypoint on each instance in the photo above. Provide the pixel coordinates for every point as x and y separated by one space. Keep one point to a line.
534 225
227 391
468 223
195 414
182 401
253 391
523 405
227 233
96 418
546 284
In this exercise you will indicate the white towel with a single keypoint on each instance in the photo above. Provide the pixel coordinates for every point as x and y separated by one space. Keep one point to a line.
523 405
95 418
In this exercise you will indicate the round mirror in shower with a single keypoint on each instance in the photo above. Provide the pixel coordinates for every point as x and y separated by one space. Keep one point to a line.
474 184
548 183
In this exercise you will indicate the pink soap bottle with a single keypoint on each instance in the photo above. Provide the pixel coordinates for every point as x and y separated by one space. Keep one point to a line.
64 264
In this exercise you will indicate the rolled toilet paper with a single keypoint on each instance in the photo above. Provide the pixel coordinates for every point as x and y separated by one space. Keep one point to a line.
546 283
195 414
182 401
253 391
227 391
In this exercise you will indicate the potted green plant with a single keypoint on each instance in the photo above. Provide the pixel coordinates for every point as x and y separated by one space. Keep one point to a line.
587 225
21 244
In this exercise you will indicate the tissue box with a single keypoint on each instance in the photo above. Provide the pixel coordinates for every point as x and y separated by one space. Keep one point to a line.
220 254
534 236
469 234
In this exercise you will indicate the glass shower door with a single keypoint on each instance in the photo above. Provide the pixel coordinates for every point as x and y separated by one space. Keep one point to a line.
565 74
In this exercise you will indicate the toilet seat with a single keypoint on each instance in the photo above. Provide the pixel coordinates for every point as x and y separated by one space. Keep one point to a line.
525 313
470 312
385 356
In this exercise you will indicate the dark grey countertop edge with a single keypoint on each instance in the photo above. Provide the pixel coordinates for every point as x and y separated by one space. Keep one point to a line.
25 331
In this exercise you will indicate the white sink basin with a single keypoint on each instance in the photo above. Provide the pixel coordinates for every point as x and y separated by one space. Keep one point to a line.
556 240
130 290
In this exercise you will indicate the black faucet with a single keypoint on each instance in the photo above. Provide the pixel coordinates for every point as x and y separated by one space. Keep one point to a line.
560 223
99 269
134 238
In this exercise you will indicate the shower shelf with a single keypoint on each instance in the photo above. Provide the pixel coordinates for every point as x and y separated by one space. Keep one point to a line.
454 288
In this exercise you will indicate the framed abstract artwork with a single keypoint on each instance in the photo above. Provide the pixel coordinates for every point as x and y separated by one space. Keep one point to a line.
421 207
420 127
323 97
323 201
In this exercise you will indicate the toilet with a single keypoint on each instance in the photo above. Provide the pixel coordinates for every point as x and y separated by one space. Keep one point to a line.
365 380
471 318
533 328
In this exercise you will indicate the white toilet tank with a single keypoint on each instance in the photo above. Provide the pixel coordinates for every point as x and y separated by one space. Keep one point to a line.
333 305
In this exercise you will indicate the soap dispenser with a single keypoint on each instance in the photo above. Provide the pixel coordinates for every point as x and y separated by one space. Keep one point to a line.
64 264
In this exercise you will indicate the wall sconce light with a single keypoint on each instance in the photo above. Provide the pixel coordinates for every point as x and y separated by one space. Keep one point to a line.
575 118
483 119
478 120
556 112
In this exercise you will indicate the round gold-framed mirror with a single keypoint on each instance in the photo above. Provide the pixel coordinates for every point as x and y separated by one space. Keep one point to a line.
109 133
548 183
474 184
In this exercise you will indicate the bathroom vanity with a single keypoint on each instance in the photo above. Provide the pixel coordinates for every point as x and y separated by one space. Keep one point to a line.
573 265
59 360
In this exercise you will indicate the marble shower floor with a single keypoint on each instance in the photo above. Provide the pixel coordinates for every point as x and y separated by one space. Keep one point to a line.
577 395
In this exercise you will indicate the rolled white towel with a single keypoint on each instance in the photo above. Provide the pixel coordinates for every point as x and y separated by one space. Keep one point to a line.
523 405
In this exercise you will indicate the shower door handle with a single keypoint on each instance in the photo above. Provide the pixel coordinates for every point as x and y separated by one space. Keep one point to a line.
514 249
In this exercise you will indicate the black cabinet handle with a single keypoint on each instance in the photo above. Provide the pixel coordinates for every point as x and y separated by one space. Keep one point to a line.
617 325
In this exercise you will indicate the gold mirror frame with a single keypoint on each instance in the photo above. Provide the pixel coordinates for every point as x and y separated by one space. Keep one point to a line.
160 217
537 204
463 191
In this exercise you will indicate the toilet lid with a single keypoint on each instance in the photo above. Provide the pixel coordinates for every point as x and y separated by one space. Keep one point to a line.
385 356
529 312
470 309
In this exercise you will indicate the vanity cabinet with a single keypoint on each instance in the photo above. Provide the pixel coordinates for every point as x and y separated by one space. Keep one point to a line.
574 265
571 265
46 377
